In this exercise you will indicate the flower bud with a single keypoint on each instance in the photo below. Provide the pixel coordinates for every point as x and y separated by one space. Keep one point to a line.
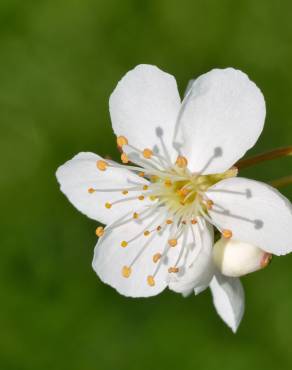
235 258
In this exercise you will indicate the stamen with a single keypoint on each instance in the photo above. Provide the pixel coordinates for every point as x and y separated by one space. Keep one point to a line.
150 280
135 215
158 228
209 204
173 269
108 205
172 242
147 153
227 234
124 244
169 222
99 231
156 257
152 197
141 197
141 174
167 183
145 187
193 221
146 232
126 271
101 165
181 161
121 140
125 192
91 190
124 158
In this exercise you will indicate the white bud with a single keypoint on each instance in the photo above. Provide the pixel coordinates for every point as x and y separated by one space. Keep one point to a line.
235 258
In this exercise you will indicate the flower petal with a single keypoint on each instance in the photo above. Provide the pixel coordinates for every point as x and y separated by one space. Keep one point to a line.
144 107
80 174
110 257
198 269
255 212
228 299
221 118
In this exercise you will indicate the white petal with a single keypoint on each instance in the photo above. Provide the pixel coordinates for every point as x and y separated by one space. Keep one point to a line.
80 173
110 257
144 106
221 118
228 299
198 269
255 212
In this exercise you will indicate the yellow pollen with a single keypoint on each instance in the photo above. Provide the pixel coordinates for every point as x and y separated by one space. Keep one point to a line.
145 187
147 153
193 221
227 234
141 174
101 165
156 257
150 280
124 244
167 183
124 158
181 161
153 178
108 205
172 242
169 222
209 204
141 197
146 232
125 192
99 231
91 190
122 140
135 215
173 269
126 271
152 197
158 228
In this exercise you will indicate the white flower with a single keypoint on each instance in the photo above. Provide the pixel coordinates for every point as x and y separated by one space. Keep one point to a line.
161 210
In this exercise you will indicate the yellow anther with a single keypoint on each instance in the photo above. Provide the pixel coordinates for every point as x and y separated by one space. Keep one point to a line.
91 190
169 222
108 205
209 204
124 158
125 192
99 231
156 257
172 242
150 280
141 174
153 178
121 140
126 271
135 215
141 197
158 228
147 153
152 197
173 269
124 244
145 187
183 192
193 221
101 165
146 232
227 234
167 182
181 161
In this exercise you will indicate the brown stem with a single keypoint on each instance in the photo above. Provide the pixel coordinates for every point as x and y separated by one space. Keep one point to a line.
283 181
267 156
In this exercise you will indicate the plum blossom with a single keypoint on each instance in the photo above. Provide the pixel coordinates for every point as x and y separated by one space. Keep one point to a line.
177 184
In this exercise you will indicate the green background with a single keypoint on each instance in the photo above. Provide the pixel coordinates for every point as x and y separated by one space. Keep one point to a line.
59 62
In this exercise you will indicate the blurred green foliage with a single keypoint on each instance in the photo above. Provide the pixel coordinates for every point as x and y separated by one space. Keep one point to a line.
59 62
